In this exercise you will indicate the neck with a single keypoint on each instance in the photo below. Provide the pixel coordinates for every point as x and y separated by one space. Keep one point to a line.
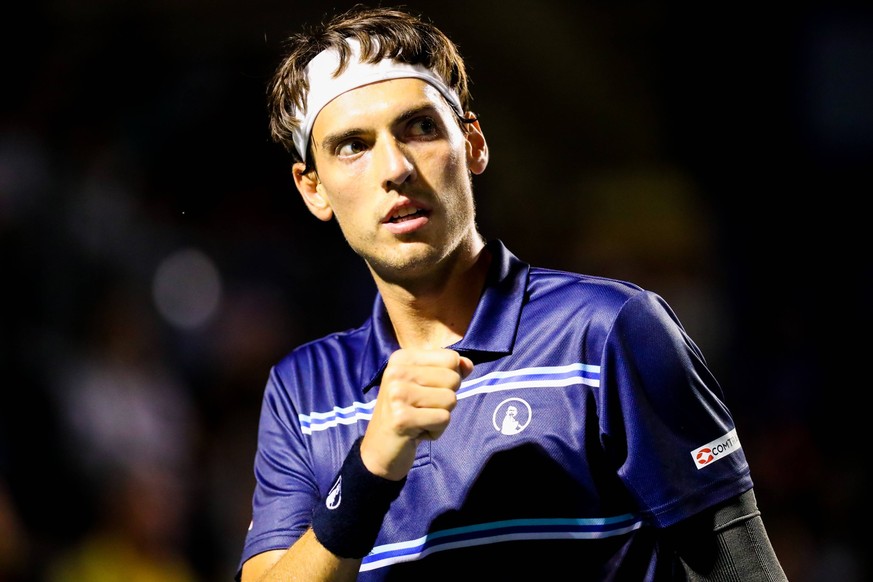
436 312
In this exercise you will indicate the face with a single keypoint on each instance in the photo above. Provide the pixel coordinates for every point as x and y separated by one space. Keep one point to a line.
393 168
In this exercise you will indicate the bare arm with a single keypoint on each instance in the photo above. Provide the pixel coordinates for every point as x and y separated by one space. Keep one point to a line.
415 400
306 560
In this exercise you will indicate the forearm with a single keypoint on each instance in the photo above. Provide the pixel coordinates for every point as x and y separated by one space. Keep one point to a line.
306 560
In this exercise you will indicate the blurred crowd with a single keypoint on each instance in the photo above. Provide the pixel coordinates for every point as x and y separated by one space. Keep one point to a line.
156 262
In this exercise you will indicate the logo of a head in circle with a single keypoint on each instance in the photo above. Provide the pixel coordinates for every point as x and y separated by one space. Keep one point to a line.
511 416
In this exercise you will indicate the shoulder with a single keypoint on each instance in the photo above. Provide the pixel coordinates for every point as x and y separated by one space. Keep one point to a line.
578 289
333 363
335 346
597 303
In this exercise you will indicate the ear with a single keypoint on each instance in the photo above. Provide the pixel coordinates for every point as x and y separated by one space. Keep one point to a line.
477 147
312 191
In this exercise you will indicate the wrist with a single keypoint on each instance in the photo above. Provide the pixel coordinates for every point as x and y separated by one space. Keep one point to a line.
348 519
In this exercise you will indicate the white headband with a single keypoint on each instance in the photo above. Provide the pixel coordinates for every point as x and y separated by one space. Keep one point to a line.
325 85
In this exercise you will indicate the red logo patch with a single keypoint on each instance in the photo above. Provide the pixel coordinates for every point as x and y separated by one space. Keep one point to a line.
704 456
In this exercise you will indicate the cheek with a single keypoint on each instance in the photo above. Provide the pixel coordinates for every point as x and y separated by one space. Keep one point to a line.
342 206
340 188
448 163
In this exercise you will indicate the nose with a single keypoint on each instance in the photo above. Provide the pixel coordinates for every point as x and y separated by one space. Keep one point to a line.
393 162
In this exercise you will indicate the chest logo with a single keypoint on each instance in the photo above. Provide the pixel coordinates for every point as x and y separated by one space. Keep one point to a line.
511 416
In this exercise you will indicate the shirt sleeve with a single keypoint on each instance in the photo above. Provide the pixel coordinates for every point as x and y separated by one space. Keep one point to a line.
285 489
664 421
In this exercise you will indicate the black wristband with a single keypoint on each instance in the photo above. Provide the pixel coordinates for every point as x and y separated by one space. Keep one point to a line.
348 519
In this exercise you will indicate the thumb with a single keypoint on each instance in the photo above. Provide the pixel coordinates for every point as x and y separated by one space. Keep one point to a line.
465 367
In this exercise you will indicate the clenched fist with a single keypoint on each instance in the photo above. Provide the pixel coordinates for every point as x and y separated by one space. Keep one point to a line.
415 401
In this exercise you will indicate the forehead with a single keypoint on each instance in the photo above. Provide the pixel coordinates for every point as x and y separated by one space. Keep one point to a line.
378 103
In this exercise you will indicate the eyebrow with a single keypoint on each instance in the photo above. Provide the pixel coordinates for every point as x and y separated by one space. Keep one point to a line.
331 141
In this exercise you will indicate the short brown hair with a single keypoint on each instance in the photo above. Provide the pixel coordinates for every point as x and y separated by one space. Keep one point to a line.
397 34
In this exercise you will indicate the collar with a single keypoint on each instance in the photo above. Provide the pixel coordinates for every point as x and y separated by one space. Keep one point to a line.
492 330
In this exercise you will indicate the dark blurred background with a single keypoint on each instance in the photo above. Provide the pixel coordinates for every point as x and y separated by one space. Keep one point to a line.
155 259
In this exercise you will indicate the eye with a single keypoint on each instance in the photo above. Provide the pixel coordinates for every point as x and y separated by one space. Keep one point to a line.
351 148
424 126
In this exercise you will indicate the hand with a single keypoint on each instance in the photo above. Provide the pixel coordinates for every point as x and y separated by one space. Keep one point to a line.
416 398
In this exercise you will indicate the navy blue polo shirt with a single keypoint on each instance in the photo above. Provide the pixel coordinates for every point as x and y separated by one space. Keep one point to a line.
590 421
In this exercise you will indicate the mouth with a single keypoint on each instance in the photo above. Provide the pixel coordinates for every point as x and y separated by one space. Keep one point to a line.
406 218
405 214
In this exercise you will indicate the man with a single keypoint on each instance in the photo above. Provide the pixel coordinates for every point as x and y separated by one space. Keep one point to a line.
382 451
